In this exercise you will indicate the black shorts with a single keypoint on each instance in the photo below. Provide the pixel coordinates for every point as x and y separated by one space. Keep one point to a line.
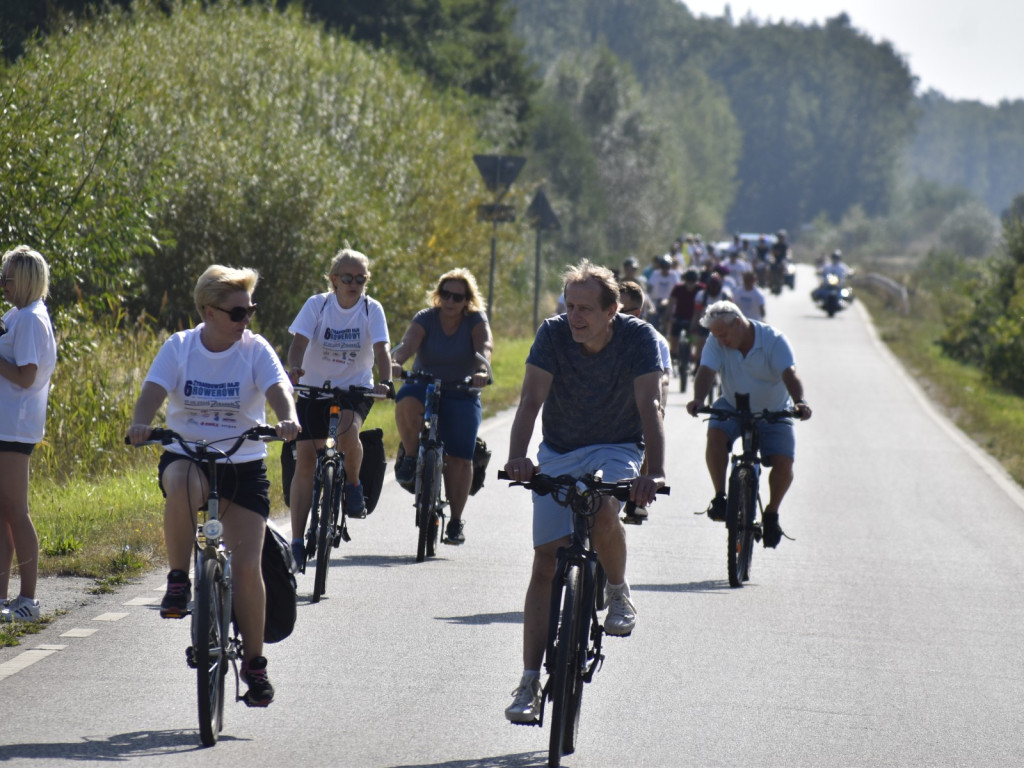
244 483
315 414
680 324
9 446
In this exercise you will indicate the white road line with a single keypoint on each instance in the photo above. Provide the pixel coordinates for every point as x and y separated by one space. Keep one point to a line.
27 659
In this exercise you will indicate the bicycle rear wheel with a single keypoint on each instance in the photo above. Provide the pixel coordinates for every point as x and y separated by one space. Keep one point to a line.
565 674
209 648
325 533
426 518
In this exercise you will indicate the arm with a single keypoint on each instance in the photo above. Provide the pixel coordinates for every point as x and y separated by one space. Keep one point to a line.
280 399
536 385
382 359
795 388
647 390
407 347
22 375
701 387
483 344
296 354
151 397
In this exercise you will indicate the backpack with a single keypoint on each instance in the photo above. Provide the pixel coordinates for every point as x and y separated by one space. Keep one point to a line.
481 458
374 466
278 567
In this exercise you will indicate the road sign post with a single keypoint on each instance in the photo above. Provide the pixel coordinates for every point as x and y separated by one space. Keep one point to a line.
543 218
498 173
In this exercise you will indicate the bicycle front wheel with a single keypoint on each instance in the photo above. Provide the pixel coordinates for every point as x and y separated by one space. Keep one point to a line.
324 534
210 648
565 674
426 517
740 525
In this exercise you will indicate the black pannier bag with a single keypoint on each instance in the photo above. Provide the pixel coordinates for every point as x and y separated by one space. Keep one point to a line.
375 465
481 458
287 469
278 568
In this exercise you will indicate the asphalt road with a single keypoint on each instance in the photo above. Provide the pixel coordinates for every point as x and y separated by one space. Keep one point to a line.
886 634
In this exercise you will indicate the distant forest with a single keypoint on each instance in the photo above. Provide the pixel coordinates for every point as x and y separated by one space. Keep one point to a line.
643 121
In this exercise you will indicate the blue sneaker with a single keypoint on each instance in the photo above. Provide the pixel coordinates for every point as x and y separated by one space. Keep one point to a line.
299 553
355 505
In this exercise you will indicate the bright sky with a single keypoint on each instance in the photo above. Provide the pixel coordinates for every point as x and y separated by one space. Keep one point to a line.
965 49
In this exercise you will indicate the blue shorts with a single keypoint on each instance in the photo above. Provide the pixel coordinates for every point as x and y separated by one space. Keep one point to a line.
458 422
618 461
777 438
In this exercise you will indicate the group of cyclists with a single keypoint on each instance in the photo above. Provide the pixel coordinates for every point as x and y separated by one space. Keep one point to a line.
595 375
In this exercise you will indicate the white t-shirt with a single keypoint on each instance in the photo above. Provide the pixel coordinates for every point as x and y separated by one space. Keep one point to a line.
751 302
341 341
660 285
217 395
28 341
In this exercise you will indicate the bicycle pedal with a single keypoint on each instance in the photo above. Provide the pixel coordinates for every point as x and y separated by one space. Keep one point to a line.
632 520
343 535
173 614
533 723
190 657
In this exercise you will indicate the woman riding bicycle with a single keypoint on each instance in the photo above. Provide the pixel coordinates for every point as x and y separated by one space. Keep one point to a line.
445 339
216 378
338 336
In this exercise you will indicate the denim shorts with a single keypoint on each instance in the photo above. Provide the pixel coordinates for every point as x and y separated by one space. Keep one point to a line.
618 461
777 438
459 421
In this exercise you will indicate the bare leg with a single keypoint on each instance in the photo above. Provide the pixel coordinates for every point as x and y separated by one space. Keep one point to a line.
19 533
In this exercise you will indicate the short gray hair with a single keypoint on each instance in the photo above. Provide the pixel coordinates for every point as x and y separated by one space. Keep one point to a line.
721 310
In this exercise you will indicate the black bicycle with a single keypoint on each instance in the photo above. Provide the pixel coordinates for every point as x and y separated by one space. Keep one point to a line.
215 637
573 651
744 497
327 526
430 505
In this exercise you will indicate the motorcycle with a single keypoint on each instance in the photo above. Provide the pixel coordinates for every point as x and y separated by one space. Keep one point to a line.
832 295
782 273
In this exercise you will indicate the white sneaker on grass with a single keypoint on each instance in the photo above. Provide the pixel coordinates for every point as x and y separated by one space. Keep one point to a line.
20 609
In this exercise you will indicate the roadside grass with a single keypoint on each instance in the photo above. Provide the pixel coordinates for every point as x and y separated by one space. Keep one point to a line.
992 417
109 526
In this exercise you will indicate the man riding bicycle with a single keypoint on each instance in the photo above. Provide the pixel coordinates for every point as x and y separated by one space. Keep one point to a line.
753 358
597 374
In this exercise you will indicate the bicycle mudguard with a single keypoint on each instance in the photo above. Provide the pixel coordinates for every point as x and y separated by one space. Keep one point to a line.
374 467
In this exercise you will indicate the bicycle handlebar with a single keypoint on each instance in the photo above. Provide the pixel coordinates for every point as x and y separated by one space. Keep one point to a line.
459 385
327 389
545 484
200 449
765 415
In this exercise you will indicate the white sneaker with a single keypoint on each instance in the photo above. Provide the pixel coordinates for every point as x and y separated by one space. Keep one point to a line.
621 616
525 706
20 609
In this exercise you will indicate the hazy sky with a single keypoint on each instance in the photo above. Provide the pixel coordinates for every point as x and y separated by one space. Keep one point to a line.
969 49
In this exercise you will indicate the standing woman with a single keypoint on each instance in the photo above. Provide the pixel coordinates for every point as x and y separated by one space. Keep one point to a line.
28 354
445 339
337 337
216 379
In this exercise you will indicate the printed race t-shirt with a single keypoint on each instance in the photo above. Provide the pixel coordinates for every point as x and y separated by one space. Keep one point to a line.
217 395
341 340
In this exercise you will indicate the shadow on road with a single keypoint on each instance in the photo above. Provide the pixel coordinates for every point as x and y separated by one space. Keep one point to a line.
122 747
512 617
522 760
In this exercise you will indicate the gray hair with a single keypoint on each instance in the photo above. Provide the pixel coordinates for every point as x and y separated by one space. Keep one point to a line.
721 310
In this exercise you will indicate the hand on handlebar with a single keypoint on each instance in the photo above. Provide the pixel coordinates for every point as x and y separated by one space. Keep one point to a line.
287 430
520 470
138 433
480 380
643 489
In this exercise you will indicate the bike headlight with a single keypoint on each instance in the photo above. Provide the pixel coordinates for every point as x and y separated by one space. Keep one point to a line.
212 529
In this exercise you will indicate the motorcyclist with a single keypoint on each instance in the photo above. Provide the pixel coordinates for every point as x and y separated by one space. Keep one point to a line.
835 267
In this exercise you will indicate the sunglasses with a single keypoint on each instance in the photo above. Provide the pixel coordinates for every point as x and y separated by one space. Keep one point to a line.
237 314
630 310
348 279
452 296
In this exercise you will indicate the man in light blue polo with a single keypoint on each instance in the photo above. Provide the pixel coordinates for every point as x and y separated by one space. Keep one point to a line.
753 358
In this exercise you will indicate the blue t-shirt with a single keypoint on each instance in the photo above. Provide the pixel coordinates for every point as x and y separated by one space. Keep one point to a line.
447 357
591 400
758 374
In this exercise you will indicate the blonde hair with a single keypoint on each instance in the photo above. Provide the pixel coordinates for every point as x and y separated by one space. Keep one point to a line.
474 303
218 281
30 273
344 256
604 277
